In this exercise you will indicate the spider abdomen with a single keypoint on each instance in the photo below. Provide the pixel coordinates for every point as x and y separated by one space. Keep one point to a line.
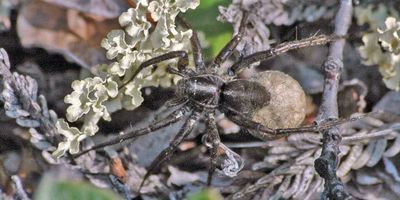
244 97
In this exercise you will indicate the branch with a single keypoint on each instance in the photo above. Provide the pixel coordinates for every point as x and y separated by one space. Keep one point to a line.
326 164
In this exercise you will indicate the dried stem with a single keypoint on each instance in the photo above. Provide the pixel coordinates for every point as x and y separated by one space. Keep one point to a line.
327 163
22 102
20 193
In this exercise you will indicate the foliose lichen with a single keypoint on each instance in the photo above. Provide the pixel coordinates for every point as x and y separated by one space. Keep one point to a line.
381 45
72 138
149 30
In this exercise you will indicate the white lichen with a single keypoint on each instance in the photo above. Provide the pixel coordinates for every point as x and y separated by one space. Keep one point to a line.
149 30
389 37
374 17
89 95
115 44
381 46
135 23
72 139
371 50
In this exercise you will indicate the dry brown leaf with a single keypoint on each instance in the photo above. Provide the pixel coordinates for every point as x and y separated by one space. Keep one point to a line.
117 169
72 33
106 8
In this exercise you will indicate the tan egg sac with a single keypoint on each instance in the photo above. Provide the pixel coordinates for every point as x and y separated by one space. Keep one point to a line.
287 107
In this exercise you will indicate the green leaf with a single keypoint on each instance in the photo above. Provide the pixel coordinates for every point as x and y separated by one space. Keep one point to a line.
204 19
71 190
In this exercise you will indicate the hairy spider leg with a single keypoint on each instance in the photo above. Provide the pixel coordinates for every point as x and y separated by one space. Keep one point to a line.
213 137
265 133
279 49
195 43
183 62
228 48
262 132
130 133
185 130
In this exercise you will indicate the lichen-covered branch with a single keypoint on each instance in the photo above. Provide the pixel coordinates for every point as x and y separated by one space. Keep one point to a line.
327 163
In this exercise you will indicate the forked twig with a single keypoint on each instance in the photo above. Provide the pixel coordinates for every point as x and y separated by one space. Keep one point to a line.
327 163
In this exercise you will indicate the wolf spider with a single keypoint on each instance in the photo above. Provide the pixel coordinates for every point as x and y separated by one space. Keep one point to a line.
202 91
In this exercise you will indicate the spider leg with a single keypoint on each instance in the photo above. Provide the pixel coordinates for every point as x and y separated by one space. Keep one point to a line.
172 70
265 133
183 61
130 133
228 48
195 43
167 153
212 141
279 49
213 164
175 102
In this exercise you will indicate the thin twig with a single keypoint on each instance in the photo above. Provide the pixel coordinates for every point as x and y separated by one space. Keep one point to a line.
20 193
327 163
369 136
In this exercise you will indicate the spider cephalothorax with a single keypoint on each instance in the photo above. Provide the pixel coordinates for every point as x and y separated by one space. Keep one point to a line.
211 91
202 91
